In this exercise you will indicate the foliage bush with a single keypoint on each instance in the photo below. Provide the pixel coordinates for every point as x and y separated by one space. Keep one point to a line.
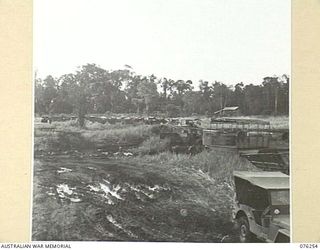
152 146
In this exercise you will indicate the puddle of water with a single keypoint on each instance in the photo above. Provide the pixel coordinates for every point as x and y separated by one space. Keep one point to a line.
63 189
93 188
157 188
127 154
117 225
113 221
64 170
138 190
144 189
51 191
108 190
113 192
200 171
75 199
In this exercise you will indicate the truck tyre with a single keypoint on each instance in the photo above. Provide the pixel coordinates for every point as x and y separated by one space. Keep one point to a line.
245 236
281 238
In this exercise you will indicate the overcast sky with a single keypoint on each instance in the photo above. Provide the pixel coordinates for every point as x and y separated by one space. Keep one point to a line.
225 40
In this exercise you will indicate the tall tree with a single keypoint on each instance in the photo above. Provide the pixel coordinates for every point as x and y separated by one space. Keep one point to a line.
96 90
147 90
271 88
253 96
206 93
221 93
164 84
92 80
238 96
50 91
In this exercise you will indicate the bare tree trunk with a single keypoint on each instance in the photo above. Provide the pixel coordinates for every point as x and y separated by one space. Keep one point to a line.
225 101
276 101
82 112
147 102
111 103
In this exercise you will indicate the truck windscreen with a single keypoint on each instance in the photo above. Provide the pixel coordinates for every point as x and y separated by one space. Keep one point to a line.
280 197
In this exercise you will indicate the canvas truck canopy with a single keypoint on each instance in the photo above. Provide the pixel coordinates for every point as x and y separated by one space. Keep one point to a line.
265 180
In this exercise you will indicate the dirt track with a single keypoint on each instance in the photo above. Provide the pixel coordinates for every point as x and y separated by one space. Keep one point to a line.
96 198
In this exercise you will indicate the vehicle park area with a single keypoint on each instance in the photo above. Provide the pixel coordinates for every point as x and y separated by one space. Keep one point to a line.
153 178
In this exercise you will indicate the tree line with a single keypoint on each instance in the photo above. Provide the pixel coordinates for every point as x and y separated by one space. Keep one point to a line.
92 89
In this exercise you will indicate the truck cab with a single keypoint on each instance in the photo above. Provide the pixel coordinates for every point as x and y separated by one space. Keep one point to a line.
262 206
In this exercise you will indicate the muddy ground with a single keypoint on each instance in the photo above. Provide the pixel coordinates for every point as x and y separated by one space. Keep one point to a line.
96 198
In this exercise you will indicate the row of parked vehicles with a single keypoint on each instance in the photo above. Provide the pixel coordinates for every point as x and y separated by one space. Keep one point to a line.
150 120
262 202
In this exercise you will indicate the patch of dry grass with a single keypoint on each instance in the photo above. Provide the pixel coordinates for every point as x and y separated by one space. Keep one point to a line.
151 146
218 164
125 134
67 135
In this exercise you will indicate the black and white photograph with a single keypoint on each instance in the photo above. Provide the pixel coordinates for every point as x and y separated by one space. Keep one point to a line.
161 121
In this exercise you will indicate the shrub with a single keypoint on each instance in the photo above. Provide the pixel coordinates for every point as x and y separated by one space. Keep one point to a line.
153 145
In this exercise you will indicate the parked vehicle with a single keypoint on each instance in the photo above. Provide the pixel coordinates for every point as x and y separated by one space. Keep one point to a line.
46 119
262 206
237 134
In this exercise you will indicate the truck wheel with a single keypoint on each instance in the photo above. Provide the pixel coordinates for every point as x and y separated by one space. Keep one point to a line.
281 238
245 235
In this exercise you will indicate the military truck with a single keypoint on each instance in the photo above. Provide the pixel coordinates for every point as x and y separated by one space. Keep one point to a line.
262 207
237 134
269 159
183 139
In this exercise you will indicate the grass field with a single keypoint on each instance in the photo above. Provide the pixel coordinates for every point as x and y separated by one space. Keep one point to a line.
84 190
